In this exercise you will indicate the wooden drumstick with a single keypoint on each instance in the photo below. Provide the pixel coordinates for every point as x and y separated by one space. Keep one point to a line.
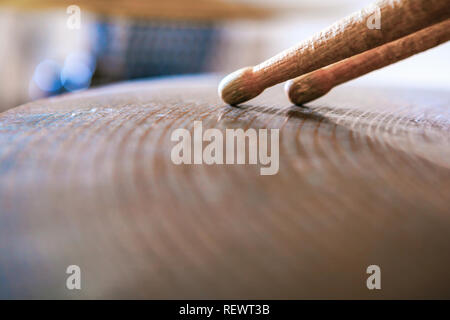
317 83
343 39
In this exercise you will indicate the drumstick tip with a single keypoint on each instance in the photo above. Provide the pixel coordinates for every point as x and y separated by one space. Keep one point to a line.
308 87
239 86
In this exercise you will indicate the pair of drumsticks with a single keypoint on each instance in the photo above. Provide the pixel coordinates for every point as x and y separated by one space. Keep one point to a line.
346 50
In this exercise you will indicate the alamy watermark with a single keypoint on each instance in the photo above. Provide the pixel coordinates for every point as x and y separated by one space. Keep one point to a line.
73 281
374 20
74 19
374 280
230 149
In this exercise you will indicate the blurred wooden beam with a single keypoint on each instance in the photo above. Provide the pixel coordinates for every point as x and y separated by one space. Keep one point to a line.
203 10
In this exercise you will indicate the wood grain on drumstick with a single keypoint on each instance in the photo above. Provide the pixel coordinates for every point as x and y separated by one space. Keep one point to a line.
343 39
317 83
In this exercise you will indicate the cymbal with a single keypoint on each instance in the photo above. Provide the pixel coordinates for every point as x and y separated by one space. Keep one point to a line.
87 179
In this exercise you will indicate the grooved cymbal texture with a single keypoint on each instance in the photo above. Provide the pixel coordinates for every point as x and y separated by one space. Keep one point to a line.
364 178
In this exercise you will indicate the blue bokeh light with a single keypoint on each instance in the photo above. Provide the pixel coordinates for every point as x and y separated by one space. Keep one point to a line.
47 76
77 71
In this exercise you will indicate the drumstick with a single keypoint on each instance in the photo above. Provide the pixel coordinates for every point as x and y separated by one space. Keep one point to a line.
317 83
343 39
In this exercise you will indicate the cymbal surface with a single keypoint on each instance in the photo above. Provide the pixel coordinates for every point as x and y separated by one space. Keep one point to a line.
87 179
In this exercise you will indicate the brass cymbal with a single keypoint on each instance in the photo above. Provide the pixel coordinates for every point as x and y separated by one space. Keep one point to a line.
87 179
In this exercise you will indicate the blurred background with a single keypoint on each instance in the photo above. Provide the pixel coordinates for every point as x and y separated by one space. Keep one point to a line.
53 47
